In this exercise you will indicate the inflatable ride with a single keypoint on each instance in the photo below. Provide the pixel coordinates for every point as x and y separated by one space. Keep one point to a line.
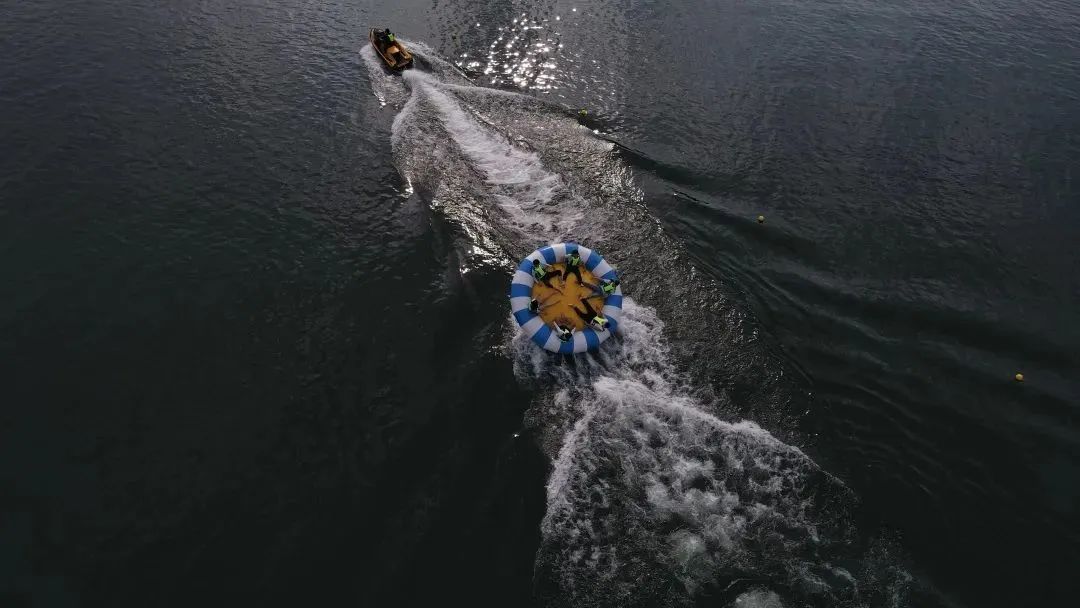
566 298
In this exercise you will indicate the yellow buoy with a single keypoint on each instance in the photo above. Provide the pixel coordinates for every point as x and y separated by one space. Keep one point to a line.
761 219
1019 377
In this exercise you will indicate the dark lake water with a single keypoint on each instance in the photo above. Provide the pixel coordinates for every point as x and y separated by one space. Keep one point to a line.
257 349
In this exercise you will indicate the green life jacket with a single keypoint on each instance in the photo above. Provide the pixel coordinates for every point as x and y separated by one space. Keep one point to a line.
609 288
575 260
390 37
539 272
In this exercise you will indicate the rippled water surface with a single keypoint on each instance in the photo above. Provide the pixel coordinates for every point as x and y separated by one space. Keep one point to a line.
257 348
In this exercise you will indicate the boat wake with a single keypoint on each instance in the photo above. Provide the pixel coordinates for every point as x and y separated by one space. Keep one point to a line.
654 498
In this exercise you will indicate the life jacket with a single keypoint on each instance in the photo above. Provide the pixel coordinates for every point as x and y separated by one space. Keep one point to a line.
539 272
575 260
390 37
609 288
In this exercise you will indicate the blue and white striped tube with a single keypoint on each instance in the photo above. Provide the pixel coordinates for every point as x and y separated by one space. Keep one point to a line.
534 327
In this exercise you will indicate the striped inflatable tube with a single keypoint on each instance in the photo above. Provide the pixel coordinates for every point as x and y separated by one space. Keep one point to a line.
534 327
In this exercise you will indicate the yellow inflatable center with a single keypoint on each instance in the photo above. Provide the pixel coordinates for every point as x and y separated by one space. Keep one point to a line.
558 301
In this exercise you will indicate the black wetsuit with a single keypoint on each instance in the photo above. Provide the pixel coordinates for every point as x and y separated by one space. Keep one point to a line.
588 314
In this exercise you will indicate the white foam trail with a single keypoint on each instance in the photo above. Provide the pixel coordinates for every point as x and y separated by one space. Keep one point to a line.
447 72
385 85
701 490
560 473
648 482
522 187
758 599
652 496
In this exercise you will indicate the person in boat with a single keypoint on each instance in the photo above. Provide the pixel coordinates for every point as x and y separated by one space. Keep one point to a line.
544 273
385 38
573 266
605 288
535 306
595 320
564 333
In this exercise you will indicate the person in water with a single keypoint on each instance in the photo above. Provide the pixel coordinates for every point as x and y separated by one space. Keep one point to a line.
564 333
573 266
596 320
544 273
605 288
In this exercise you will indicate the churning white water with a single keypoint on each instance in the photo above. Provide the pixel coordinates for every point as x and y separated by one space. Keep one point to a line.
653 498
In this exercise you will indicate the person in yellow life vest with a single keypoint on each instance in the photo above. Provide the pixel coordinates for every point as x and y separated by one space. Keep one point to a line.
390 38
605 288
595 320
544 273
573 266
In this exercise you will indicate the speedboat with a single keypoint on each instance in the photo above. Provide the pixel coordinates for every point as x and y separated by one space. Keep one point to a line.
393 53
